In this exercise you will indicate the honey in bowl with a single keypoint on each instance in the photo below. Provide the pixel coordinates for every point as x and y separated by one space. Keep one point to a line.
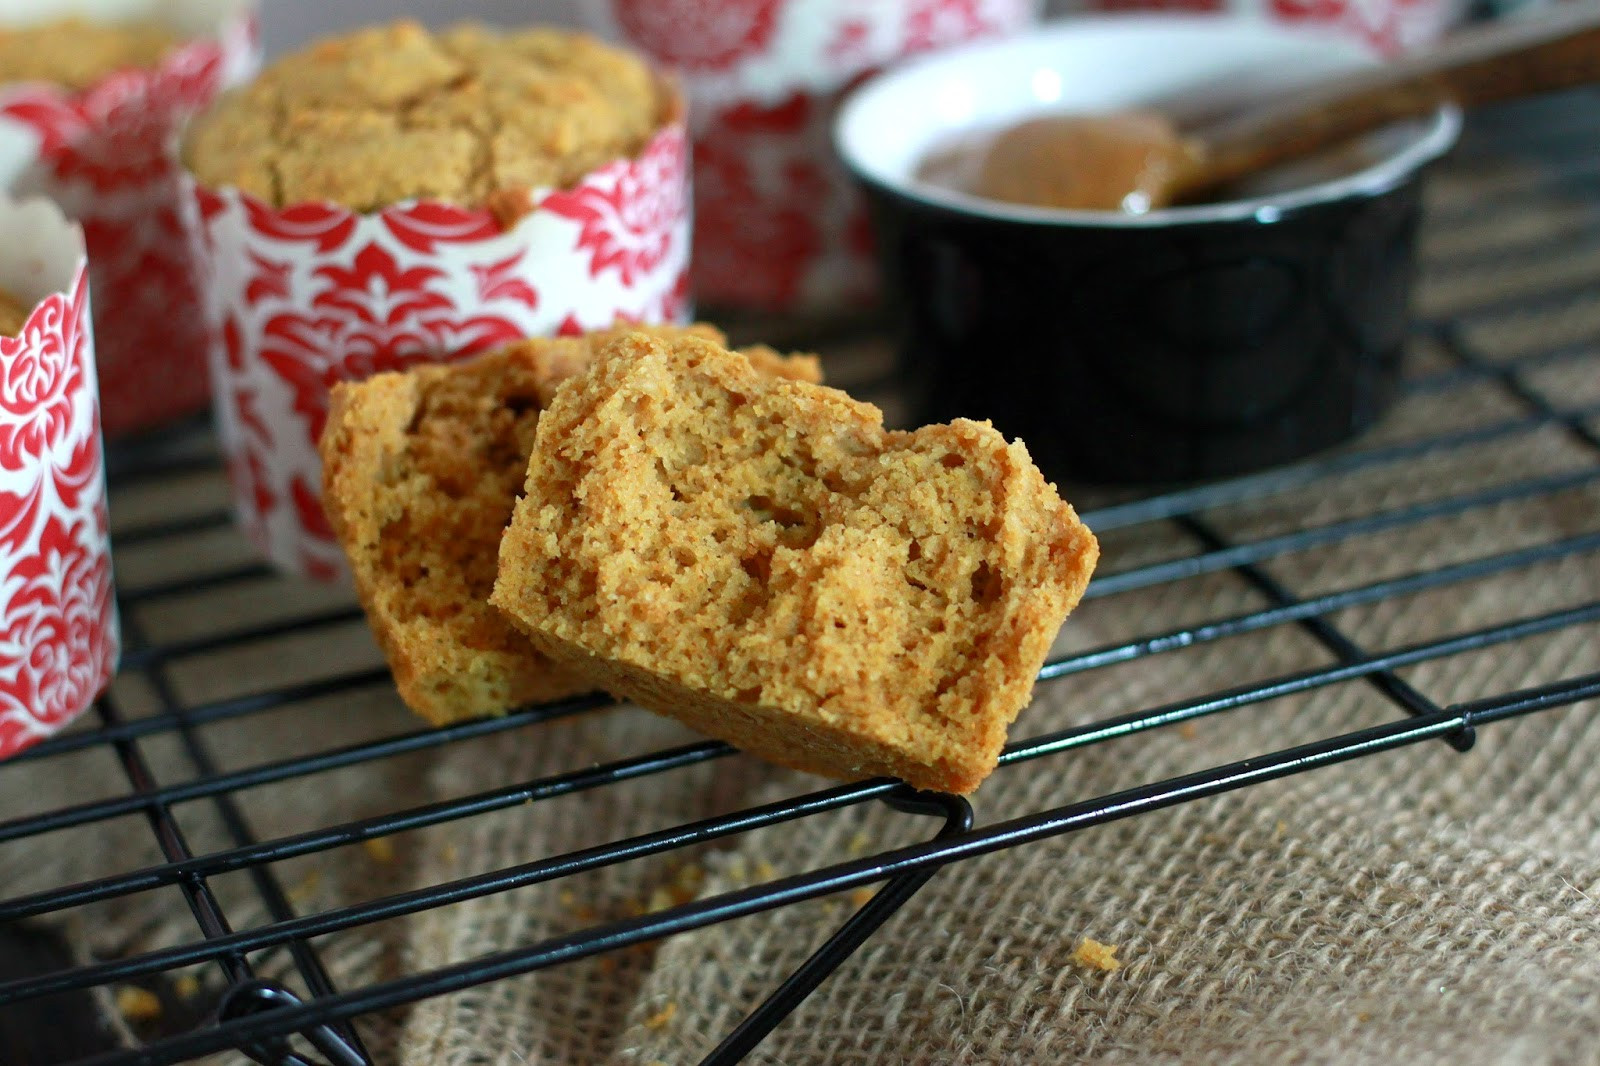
1076 162
1120 162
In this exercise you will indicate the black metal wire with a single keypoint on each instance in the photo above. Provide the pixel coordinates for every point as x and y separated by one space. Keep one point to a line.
310 1025
862 872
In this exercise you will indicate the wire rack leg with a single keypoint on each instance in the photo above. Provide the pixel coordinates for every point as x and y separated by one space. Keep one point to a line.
259 997
345 1038
895 893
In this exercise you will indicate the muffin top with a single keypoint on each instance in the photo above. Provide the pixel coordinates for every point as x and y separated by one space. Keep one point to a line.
13 316
77 53
470 116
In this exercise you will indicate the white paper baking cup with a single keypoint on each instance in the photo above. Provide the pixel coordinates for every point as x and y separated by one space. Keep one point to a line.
1391 27
58 625
779 224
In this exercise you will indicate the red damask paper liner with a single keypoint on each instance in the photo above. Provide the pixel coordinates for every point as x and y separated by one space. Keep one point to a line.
304 297
1392 27
58 627
779 225
107 155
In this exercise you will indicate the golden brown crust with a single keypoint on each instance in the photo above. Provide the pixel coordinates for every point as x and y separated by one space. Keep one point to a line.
763 561
13 315
77 53
392 113
420 473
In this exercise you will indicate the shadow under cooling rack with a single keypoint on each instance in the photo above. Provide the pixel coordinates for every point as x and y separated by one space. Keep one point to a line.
1497 353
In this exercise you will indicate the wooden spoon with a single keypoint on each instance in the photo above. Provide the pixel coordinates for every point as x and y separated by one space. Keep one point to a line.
1138 160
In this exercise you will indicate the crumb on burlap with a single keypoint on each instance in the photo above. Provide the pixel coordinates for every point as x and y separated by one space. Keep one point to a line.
307 888
138 1004
662 1018
380 850
187 986
1095 955
862 896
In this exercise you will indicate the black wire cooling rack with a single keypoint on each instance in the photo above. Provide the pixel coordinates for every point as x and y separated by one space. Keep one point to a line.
1545 154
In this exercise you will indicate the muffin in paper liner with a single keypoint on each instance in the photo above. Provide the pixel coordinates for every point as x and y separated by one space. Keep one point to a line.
58 624
306 296
779 226
106 155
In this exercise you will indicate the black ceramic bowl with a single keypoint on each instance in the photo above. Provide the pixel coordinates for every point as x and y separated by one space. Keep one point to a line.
1184 343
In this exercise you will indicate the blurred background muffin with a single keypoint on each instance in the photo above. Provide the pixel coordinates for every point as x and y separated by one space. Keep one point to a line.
76 53
392 113
89 110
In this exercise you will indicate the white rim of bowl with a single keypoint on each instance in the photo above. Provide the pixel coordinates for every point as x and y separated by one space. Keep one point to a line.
1384 176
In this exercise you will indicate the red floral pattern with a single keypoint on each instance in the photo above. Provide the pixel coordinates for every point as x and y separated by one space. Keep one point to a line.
759 243
626 213
848 46
316 295
43 374
934 23
777 222
57 651
699 35
57 623
370 318
115 135
425 227
1381 23
104 156
1197 6
152 365
313 354
1391 26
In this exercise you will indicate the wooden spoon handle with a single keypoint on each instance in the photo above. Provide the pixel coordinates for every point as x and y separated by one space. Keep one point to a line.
1518 58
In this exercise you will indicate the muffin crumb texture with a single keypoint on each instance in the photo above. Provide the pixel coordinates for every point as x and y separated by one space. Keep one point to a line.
421 470
471 116
763 561
77 53
13 315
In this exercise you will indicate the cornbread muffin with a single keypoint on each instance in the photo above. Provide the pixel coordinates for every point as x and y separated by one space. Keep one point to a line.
77 53
13 315
420 473
394 113
763 561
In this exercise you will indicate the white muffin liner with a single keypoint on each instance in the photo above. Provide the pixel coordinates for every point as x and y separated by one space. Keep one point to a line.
58 625
780 226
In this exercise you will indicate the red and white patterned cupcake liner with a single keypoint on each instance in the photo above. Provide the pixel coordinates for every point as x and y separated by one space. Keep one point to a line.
779 225
311 295
107 156
58 624
1391 27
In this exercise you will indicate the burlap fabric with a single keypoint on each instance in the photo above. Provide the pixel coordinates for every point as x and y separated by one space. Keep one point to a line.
1417 906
